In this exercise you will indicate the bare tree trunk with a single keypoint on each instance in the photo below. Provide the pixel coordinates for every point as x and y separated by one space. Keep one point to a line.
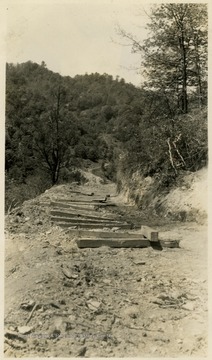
184 74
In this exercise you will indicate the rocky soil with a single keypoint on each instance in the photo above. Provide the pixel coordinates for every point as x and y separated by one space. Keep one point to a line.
62 301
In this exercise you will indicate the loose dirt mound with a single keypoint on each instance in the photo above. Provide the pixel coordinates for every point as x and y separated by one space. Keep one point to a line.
64 301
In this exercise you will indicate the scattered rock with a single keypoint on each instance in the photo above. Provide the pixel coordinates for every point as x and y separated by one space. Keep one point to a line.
25 329
160 283
139 262
59 251
55 304
69 326
55 334
177 295
188 306
106 281
82 351
93 305
26 228
69 274
68 284
162 339
157 301
38 222
62 302
163 297
14 269
39 281
131 311
179 341
88 294
28 305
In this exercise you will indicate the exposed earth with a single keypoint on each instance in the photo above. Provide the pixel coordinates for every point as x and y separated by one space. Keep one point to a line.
63 301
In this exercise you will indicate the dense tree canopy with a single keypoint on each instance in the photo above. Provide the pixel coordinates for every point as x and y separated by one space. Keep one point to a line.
52 120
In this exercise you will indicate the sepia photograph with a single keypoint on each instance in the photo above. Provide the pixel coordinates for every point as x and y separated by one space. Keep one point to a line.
106 179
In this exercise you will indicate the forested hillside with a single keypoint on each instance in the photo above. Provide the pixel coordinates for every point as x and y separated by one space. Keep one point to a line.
54 123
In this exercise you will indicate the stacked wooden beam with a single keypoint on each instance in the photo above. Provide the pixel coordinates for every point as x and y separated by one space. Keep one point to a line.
82 215
81 211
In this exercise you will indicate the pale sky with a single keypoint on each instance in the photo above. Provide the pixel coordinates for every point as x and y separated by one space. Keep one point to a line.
76 36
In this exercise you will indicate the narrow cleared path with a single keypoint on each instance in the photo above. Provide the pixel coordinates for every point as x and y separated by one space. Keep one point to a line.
64 301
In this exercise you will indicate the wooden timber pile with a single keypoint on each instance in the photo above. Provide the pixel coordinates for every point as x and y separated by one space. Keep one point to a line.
89 218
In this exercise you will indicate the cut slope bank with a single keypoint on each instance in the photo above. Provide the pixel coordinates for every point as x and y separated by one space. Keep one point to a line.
185 201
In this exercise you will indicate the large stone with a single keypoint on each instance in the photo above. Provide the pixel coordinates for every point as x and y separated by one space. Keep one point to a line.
188 306
25 329
93 305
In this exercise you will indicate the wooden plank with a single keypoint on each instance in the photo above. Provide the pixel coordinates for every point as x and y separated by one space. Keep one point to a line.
94 225
59 204
92 194
103 234
83 201
79 205
86 220
87 199
83 194
112 242
91 205
79 215
88 207
149 233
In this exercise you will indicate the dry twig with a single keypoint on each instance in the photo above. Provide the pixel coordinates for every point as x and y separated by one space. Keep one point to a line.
30 315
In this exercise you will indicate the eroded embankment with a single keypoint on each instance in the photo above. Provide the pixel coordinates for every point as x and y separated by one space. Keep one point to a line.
184 201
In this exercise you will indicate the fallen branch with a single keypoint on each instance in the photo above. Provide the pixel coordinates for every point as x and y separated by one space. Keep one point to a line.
30 315
141 328
170 155
175 306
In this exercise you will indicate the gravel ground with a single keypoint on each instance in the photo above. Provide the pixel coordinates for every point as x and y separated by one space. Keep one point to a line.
62 301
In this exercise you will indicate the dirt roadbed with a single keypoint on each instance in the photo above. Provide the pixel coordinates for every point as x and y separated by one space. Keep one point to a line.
62 301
